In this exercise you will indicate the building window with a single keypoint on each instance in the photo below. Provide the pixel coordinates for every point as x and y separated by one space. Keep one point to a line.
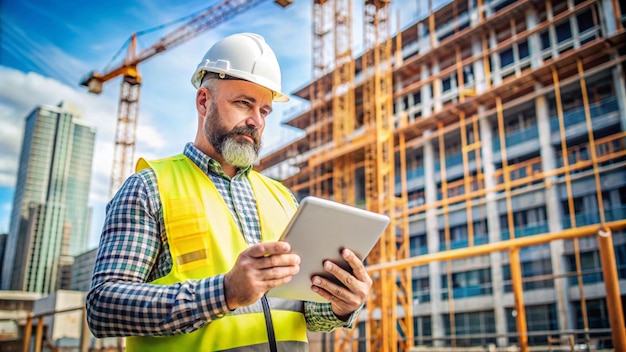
585 21
446 84
499 5
458 237
585 211
418 245
422 328
523 49
601 100
520 126
481 231
526 222
597 314
590 267
532 272
506 57
467 284
563 31
479 325
417 98
421 290
539 318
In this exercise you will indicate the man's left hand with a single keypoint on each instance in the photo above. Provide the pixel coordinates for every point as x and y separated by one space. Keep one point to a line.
344 300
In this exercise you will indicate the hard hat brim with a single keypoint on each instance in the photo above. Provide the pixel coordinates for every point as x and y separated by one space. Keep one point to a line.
200 74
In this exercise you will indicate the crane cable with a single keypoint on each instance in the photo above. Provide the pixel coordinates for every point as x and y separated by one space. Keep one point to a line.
124 46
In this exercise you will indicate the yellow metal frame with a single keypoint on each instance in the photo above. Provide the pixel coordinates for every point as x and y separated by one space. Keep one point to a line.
513 246
384 140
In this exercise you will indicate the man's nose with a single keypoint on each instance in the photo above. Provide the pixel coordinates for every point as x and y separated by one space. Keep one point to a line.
255 119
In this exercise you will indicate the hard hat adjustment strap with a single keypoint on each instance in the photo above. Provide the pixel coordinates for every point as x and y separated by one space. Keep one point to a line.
221 75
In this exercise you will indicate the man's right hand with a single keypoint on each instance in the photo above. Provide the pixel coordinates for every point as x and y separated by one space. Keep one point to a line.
258 269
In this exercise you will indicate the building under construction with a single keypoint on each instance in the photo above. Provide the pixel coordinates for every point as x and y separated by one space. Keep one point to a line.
493 134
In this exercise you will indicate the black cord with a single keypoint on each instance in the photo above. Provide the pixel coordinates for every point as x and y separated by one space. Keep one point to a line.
271 337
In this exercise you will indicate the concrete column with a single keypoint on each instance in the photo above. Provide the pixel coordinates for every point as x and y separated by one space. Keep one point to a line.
432 234
495 60
436 89
401 110
554 48
553 211
474 12
410 110
423 41
609 17
426 93
534 41
493 221
479 68
620 93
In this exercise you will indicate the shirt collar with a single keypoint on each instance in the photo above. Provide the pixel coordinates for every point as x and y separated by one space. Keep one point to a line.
208 164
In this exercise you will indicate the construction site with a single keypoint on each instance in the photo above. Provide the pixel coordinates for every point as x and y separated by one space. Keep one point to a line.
493 134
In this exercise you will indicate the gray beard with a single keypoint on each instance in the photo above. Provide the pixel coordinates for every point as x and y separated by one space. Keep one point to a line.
239 154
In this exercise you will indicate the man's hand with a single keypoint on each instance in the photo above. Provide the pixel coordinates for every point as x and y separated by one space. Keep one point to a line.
344 300
258 269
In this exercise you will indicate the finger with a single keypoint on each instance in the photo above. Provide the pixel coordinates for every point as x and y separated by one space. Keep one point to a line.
329 290
320 291
278 273
277 261
358 268
342 306
267 249
334 293
345 277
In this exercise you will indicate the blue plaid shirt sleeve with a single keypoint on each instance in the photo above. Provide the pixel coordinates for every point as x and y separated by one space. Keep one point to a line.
121 302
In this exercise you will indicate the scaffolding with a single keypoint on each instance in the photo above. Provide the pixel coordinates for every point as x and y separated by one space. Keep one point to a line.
466 114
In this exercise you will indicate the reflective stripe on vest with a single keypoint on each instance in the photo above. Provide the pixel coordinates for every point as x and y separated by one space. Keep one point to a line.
202 247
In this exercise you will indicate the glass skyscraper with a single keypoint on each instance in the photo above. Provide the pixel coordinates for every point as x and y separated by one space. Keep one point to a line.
50 216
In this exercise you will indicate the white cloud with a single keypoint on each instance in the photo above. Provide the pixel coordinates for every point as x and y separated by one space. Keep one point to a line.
21 92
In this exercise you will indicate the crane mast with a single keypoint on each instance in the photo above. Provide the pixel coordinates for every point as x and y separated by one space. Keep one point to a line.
128 109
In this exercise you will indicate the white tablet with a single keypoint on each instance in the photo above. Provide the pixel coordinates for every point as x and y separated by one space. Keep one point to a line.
318 231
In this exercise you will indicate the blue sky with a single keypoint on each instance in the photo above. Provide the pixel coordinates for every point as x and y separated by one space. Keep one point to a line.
46 47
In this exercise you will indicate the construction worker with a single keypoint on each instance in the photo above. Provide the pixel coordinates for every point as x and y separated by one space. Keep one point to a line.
189 244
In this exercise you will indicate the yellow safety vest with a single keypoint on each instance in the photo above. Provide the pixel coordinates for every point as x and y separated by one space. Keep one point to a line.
205 241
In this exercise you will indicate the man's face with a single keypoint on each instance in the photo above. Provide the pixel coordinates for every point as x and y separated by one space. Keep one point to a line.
235 121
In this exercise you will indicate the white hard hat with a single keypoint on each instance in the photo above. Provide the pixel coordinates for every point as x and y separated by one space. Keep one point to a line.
245 56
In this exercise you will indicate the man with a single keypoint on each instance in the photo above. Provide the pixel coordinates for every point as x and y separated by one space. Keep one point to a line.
189 245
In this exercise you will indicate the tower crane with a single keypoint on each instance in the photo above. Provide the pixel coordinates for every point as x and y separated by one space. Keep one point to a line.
129 95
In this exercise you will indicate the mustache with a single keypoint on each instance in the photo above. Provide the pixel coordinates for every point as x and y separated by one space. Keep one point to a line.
248 131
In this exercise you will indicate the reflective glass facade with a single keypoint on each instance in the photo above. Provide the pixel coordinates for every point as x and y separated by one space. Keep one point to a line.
50 209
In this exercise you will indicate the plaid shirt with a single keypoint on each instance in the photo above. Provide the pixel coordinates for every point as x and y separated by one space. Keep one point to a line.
134 251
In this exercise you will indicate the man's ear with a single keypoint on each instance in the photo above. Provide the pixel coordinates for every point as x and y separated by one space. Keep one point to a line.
203 100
